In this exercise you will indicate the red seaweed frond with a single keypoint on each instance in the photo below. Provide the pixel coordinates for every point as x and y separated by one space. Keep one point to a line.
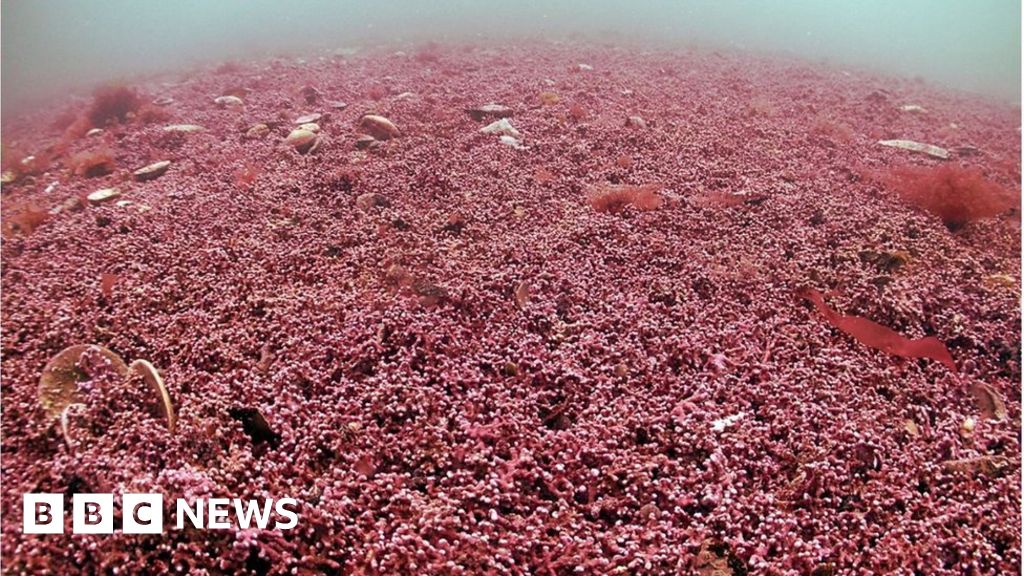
577 112
719 199
824 125
956 194
246 175
112 103
23 219
543 176
879 337
93 163
428 53
614 198
107 282
548 98
150 114
21 163
76 130
376 92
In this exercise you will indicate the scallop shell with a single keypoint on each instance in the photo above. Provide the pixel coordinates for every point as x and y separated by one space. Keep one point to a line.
58 385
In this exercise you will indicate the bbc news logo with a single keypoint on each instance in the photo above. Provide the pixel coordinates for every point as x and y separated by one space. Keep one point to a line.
144 513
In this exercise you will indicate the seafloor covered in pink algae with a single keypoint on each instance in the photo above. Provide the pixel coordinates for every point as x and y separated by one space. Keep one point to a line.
479 373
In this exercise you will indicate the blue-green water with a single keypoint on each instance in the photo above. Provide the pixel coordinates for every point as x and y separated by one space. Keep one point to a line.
56 45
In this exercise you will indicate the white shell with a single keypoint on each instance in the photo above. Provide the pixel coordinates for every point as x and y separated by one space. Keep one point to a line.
103 195
308 118
225 101
503 127
184 128
378 126
154 170
511 142
928 149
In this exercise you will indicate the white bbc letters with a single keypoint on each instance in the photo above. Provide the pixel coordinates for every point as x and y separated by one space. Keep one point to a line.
92 513
143 513
43 514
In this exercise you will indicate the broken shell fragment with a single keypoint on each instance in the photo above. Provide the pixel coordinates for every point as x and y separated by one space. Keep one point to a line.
186 128
310 94
911 428
74 426
986 465
989 402
512 142
310 126
522 295
94 132
967 427
102 195
636 122
257 131
308 118
379 127
150 375
365 141
371 200
59 383
1000 281
489 111
255 425
396 275
503 127
153 171
913 146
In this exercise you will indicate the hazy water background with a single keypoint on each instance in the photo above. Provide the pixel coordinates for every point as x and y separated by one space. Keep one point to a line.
50 46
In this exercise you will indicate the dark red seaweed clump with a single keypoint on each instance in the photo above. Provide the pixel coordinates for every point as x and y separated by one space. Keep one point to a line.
957 195
93 163
614 198
113 103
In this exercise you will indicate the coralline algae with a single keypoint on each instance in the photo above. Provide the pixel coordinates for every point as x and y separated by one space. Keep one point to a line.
479 373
